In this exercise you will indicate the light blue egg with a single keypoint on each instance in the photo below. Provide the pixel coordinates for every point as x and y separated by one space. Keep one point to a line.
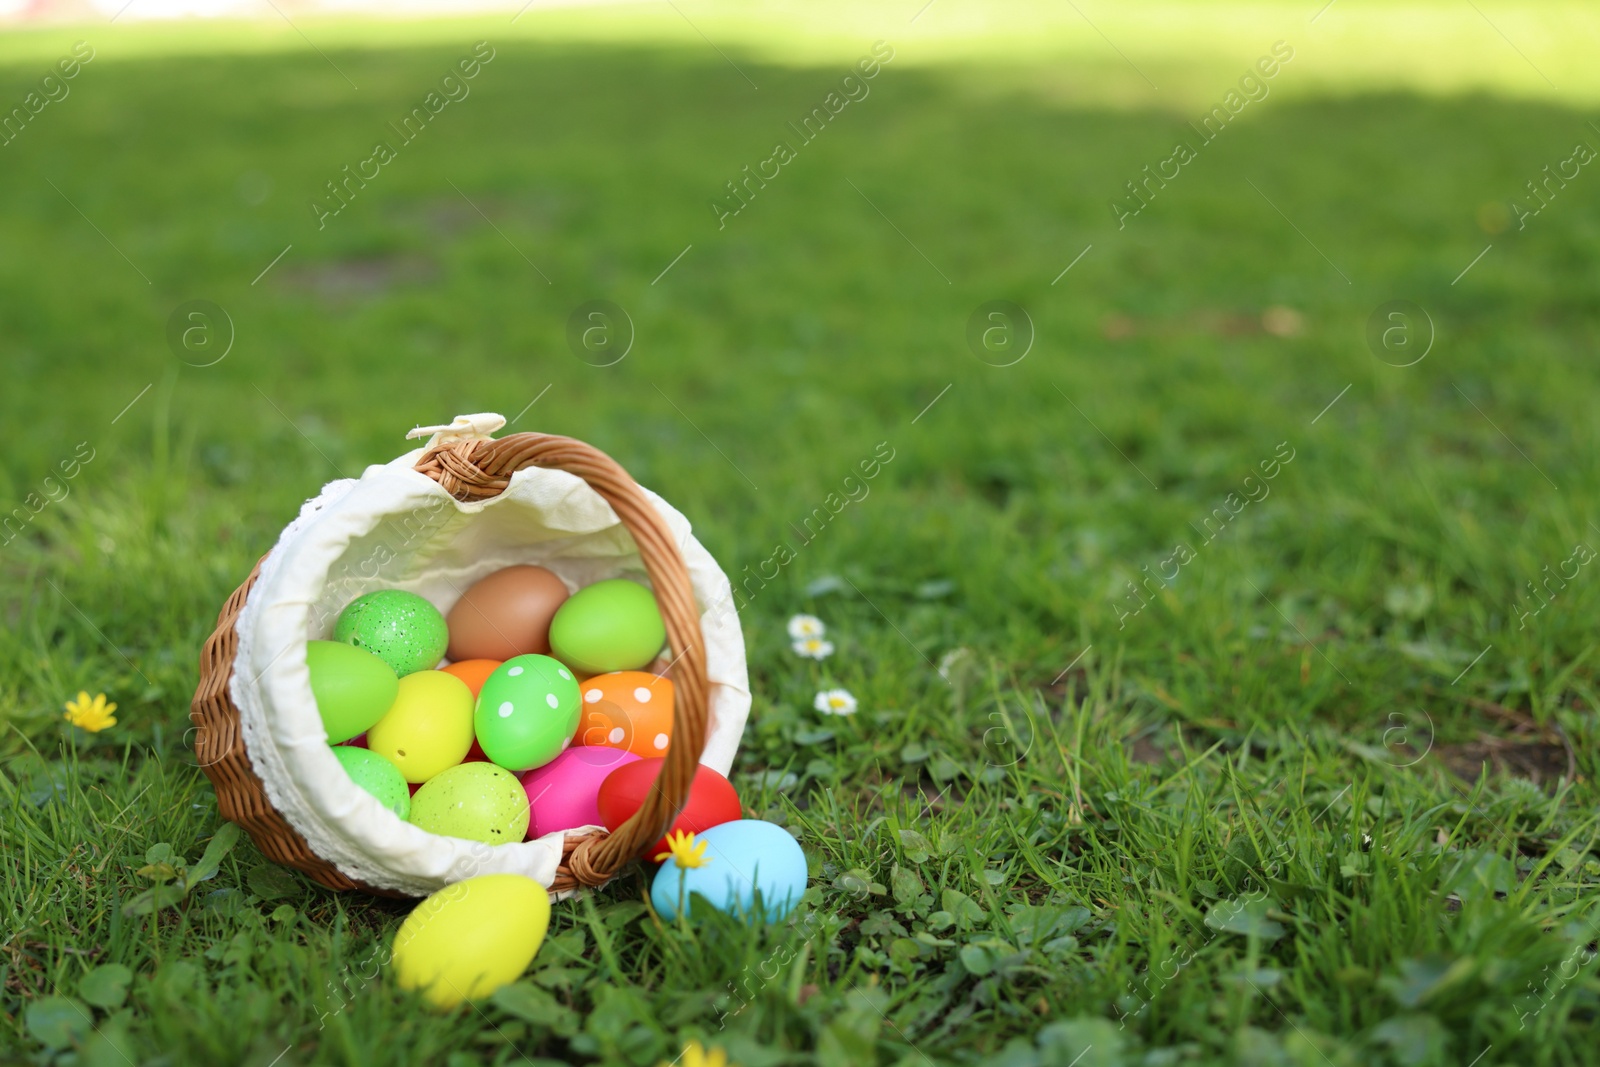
741 858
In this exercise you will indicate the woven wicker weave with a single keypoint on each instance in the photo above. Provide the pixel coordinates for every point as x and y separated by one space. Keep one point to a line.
479 470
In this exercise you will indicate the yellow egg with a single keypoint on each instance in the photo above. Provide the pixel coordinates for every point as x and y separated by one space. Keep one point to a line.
428 729
471 938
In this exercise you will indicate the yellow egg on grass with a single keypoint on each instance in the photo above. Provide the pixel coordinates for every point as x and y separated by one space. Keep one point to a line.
469 939
428 728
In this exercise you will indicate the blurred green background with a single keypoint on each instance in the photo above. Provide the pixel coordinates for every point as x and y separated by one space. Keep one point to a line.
1387 573
830 312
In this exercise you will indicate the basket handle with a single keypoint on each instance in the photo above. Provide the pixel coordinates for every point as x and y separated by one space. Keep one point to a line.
480 469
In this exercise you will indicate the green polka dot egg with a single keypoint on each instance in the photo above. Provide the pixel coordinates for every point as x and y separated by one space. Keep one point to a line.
400 628
527 712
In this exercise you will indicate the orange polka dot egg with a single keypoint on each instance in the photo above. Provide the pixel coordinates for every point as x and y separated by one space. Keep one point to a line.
630 710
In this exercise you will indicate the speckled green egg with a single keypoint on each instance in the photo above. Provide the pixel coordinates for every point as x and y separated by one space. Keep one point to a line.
377 776
400 628
527 712
477 801
609 626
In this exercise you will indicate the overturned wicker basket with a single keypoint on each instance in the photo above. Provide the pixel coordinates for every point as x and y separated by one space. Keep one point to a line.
473 470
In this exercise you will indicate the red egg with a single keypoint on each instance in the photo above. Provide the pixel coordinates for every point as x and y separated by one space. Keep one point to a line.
712 800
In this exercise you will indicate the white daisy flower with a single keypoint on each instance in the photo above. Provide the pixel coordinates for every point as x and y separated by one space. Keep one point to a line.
835 702
804 626
813 648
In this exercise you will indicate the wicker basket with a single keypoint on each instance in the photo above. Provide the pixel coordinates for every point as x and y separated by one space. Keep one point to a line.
471 470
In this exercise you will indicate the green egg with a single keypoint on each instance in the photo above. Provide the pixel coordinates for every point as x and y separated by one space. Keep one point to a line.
353 688
400 628
527 712
377 776
608 626
477 801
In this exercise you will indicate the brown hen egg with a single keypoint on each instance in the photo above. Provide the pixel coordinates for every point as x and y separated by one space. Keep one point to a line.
505 614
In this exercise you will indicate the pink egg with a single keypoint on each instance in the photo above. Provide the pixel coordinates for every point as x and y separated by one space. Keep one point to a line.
565 792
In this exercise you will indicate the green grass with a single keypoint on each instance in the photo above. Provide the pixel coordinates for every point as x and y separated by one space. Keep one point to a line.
1250 824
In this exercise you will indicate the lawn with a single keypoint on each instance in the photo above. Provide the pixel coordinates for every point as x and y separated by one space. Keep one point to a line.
1226 668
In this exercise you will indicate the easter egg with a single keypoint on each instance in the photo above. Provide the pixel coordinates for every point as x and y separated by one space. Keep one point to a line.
469 939
565 793
377 776
400 628
608 626
506 614
353 688
712 800
741 859
527 712
474 672
630 710
429 726
477 801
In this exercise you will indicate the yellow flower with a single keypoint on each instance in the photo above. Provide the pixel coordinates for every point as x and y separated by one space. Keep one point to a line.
681 847
695 1055
92 715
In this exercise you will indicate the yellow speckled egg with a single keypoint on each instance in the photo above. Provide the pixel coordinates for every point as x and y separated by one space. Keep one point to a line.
477 801
428 729
471 938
